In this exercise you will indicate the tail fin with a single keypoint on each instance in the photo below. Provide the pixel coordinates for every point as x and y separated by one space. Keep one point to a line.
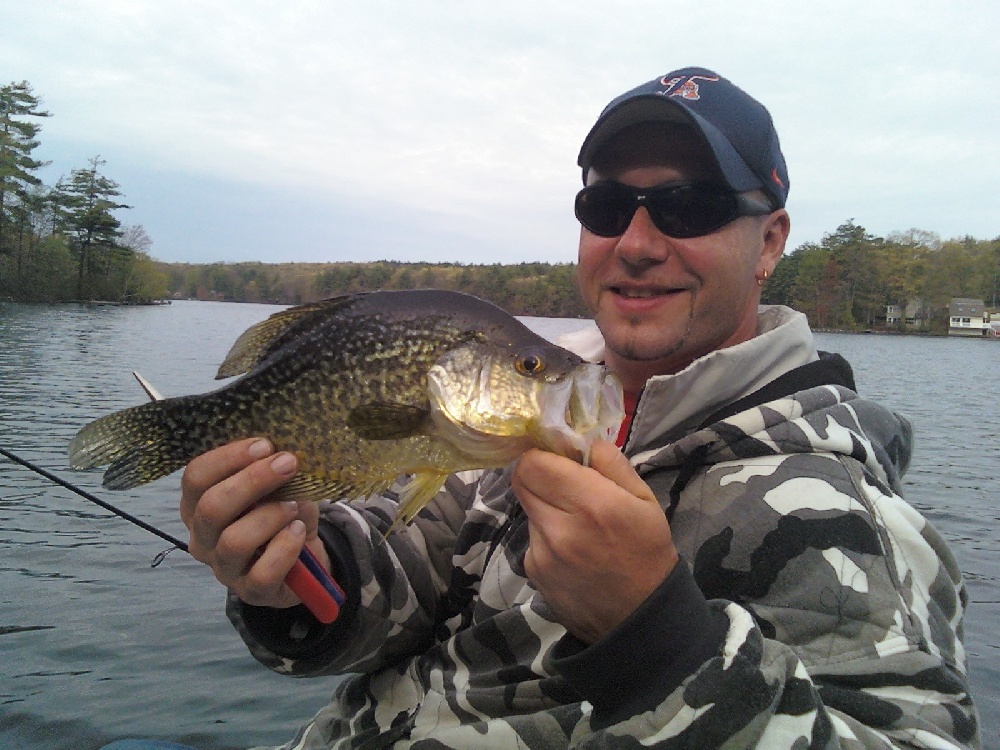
142 443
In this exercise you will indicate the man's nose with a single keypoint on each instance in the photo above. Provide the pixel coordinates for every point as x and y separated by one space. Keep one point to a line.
642 244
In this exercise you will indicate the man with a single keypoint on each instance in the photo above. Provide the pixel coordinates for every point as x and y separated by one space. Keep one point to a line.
742 573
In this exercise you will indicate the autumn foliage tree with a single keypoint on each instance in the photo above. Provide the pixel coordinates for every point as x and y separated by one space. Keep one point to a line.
847 280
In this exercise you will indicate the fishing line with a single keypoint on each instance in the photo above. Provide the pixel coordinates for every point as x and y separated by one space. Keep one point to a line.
97 501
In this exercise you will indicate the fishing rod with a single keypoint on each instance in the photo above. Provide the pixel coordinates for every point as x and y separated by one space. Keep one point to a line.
93 498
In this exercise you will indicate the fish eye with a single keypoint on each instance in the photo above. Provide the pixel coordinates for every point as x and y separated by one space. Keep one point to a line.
530 364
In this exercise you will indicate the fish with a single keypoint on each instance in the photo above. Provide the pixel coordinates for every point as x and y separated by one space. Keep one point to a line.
367 388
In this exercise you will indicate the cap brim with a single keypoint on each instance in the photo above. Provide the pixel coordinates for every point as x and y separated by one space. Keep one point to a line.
648 108
657 108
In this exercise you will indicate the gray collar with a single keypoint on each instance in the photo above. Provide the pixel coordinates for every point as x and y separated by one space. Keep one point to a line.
673 404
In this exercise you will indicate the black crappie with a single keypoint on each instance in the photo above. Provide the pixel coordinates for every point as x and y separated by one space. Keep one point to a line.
366 387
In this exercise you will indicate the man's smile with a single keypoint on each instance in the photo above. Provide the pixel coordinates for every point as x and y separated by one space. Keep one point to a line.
629 291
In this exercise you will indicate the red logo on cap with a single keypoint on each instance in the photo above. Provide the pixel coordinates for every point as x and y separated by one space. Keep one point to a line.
684 86
774 176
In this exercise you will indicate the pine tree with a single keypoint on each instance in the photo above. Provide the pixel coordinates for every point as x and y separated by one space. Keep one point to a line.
84 205
17 141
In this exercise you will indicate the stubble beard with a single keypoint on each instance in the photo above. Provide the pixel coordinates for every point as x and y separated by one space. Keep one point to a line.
634 349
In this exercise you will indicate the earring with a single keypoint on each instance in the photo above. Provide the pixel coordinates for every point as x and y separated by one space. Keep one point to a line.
762 279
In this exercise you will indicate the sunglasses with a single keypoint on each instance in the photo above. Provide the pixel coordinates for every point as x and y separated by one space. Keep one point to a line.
678 209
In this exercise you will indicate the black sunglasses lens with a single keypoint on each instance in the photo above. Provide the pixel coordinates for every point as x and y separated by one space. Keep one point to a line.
606 209
691 210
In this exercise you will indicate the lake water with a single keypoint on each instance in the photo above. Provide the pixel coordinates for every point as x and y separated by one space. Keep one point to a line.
95 644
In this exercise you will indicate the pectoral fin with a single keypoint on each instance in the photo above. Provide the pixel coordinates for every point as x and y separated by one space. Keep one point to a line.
387 421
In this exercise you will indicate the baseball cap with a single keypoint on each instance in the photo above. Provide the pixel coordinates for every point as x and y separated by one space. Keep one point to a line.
737 128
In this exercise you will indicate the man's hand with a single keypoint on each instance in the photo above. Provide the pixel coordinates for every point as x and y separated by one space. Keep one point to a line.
249 543
599 542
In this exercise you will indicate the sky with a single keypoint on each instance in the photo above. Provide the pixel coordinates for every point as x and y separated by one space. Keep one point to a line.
448 130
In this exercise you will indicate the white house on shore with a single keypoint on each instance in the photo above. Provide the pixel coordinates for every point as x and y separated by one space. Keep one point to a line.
967 317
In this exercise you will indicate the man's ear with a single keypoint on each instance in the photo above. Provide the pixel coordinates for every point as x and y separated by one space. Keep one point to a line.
774 229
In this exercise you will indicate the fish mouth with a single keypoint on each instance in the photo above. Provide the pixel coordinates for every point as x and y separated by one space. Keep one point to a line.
580 409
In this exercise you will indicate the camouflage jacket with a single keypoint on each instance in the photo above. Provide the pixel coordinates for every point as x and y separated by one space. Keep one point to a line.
813 606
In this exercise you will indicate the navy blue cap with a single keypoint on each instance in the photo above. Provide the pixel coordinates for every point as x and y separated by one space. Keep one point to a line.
737 128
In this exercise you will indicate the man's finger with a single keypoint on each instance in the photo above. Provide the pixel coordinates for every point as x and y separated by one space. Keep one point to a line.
264 580
610 462
239 542
230 499
539 471
208 469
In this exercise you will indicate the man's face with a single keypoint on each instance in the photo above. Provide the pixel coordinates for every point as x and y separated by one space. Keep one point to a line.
662 302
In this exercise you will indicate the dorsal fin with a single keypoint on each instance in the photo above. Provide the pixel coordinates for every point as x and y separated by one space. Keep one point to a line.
261 339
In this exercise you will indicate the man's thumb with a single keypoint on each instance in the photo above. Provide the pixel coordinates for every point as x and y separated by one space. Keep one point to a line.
610 462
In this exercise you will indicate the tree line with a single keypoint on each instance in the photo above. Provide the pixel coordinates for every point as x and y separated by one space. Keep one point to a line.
542 289
64 243
843 282
846 281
